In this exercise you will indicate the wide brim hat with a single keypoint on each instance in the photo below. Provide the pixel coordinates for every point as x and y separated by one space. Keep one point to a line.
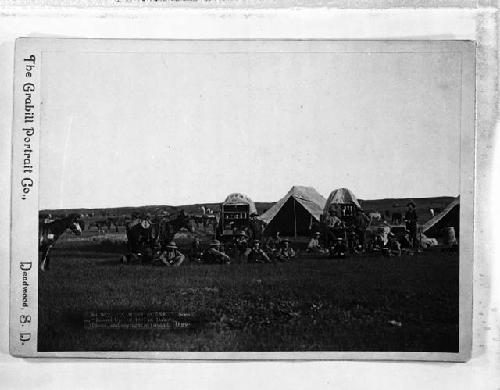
255 242
215 243
411 202
241 233
286 240
172 245
339 239
317 233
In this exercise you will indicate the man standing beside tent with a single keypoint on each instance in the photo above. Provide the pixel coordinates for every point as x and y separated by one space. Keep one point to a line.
411 222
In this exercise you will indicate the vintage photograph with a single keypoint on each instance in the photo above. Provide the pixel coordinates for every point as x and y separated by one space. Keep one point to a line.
250 196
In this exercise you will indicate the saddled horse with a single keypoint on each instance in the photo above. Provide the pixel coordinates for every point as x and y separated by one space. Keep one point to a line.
144 235
49 232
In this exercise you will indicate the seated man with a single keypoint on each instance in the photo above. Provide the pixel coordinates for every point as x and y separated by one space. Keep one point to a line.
171 256
377 244
214 255
196 253
255 254
339 249
393 247
273 243
332 220
314 244
353 242
241 241
285 252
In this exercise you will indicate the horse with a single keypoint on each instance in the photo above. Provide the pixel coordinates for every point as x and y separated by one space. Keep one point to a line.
49 232
144 235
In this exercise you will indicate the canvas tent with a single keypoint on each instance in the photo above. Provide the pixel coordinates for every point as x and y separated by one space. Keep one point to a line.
339 197
449 217
295 213
237 198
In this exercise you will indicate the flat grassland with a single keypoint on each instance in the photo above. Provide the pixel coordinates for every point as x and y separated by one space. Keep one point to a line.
362 303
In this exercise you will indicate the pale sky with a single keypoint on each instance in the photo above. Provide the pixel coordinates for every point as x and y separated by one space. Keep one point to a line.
124 129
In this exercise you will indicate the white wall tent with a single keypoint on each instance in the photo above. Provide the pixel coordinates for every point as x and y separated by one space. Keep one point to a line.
296 212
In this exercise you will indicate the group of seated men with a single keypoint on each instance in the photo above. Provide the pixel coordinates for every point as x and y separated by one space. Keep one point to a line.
337 248
392 246
275 249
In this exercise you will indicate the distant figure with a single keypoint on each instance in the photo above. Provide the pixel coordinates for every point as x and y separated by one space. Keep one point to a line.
203 211
431 212
411 222
171 256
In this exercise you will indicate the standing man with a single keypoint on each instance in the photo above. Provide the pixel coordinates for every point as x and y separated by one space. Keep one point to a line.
411 222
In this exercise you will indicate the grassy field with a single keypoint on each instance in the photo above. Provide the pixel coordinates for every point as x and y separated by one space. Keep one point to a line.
356 304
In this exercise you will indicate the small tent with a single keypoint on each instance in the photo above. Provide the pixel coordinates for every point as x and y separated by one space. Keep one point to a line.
237 198
295 213
341 200
449 217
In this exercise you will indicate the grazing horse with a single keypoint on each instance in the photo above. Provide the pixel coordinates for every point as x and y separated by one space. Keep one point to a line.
49 232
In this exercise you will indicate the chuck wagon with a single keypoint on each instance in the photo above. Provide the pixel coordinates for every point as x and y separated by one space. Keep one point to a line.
235 214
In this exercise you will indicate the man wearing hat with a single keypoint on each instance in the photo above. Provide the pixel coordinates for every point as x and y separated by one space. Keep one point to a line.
377 244
256 254
314 245
214 255
339 249
273 243
285 252
353 243
196 253
411 222
241 241
171 256
393 247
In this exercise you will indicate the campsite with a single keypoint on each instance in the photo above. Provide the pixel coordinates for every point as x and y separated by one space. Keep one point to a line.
364 302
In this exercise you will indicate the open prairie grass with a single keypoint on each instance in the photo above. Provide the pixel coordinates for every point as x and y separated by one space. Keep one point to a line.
356 304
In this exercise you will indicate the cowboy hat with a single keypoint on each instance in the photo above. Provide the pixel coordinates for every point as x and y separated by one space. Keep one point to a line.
172 245
215 243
